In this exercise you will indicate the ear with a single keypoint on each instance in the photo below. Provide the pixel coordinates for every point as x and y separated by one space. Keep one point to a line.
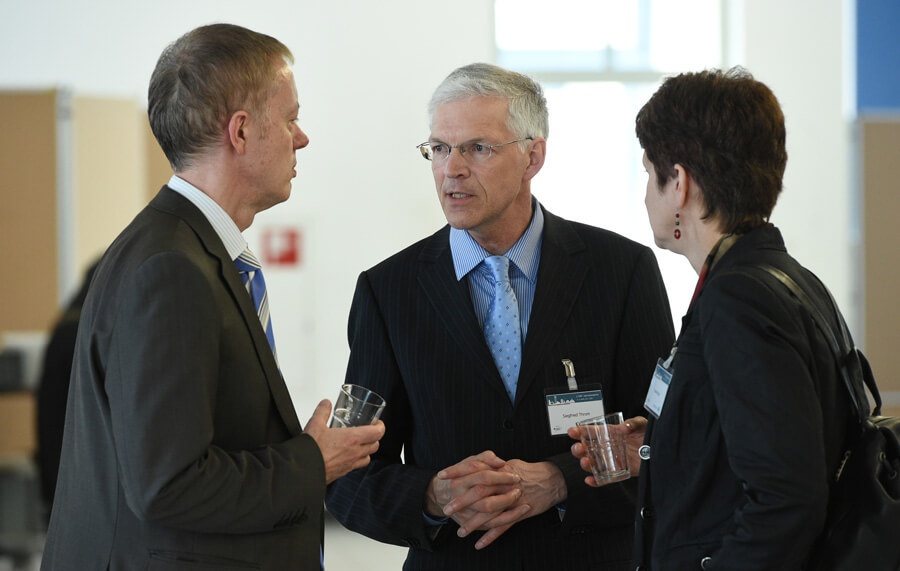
683 186
536 157
237 131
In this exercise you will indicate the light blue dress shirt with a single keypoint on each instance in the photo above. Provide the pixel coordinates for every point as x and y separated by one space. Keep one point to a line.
525 255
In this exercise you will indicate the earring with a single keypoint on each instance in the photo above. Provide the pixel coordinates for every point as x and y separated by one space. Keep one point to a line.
677 224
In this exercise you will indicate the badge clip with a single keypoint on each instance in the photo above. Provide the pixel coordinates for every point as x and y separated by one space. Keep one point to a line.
570 374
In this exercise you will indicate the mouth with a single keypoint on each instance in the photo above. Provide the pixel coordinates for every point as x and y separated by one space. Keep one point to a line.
456 195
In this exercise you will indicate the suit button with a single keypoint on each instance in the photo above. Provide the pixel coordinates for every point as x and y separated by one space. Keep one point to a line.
507 424
644 452
705 562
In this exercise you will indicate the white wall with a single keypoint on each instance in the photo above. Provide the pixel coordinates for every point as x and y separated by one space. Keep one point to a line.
364 73
801 49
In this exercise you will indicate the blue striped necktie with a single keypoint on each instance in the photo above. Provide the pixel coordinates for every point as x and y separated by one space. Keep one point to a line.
252 276
502 329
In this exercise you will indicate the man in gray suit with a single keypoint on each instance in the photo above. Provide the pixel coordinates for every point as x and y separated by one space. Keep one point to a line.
182 448
472 474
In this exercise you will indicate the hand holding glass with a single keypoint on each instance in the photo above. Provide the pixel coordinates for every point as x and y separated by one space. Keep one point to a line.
356 406
604 441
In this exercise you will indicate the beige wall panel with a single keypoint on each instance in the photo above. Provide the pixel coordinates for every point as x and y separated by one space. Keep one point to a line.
881 213
890 411
28 217
158 170
108 148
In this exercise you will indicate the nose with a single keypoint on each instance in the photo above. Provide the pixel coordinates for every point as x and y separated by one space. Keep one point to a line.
300 138
455 164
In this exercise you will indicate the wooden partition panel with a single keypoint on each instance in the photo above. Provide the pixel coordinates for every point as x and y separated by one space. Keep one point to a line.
74 175
109 172
881 220
158 170
29 288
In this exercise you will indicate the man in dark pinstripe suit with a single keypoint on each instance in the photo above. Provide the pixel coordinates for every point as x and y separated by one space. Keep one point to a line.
468 474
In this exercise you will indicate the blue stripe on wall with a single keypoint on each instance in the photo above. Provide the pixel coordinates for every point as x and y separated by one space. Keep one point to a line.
877 56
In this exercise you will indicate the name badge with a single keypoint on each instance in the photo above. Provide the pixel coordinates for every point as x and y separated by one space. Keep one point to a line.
566 407
659 386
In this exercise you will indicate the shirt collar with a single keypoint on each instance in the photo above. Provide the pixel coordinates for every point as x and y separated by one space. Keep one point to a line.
467 253
221 222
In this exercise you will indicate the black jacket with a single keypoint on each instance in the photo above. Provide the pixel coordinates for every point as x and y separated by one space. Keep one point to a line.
415 339
752 427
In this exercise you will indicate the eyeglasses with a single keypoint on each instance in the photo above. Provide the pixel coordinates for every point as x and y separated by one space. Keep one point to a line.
477 152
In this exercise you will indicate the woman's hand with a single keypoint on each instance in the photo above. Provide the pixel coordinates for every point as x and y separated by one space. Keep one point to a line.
634 438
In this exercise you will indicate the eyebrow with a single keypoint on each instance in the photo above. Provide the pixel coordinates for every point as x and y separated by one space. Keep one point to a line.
470 141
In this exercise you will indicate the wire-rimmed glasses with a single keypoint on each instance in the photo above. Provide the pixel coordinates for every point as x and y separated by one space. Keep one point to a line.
476 152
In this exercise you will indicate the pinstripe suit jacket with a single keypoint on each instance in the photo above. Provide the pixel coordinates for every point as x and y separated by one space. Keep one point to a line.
414 338
182 449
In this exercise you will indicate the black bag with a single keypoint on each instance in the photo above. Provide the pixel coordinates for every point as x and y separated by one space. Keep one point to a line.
862 530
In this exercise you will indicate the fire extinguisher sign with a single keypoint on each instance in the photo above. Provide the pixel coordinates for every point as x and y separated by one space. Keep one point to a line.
282 246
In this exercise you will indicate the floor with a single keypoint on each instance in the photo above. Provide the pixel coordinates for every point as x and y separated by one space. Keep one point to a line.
343 550
347 550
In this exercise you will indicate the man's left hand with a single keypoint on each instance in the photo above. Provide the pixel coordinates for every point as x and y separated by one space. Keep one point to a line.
542 487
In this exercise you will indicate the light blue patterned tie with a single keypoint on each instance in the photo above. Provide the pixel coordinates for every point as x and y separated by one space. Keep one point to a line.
501 328
251 274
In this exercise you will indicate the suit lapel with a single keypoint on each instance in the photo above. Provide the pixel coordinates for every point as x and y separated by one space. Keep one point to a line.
453 304
560 277
277 386
174 203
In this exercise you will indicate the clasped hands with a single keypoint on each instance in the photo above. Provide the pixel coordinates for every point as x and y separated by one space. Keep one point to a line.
487 493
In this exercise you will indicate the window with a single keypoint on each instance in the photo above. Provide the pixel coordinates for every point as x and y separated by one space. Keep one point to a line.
599 61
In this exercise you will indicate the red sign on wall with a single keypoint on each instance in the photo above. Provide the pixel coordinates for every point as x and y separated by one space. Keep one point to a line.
282 246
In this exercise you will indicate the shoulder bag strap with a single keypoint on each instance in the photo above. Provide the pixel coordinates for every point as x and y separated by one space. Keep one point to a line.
851 362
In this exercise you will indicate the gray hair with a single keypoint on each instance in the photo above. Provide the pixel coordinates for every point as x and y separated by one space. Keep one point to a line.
528 115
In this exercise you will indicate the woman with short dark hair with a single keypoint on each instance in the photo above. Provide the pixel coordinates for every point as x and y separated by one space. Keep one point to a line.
743 439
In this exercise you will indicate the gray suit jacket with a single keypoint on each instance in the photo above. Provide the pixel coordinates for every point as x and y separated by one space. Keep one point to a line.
182 449
414 338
